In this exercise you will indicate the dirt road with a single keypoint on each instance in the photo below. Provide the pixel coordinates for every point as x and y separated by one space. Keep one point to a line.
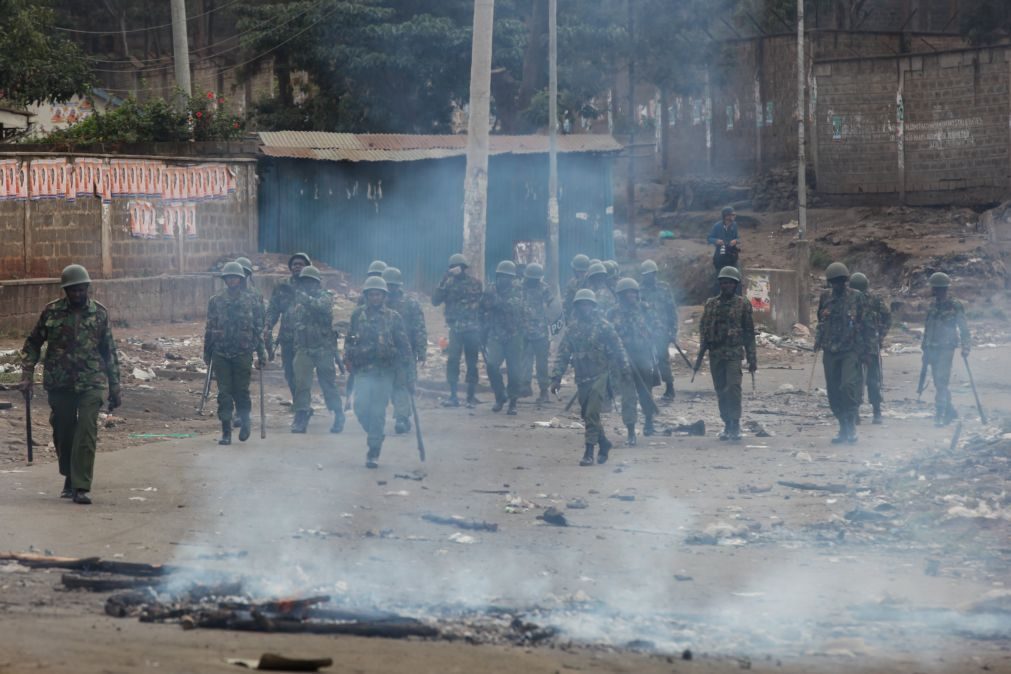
679 543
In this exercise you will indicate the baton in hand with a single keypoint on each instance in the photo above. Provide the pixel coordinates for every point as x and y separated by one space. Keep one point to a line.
28 424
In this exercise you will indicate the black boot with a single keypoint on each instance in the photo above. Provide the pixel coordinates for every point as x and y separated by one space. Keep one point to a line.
338 422
245 427
735 431
236 422
452 401
512 407
226 432
471 398
725 433
856 417
372 458
851 430
81 495
301 422
68 491
543 397
668 393
647 428
843 431
605 449
402 426
877 414
630 440
587 459
499 404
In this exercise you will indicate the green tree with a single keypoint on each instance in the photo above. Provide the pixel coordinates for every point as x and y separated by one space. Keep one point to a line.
986 23
36 63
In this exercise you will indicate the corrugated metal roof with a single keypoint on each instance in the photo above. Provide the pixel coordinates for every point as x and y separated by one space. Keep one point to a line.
404 147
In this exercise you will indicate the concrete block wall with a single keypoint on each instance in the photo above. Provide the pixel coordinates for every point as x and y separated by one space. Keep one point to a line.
64 232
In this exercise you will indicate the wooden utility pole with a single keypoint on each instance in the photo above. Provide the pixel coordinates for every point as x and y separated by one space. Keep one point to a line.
475 183
633 123
181 50
803 245
553 218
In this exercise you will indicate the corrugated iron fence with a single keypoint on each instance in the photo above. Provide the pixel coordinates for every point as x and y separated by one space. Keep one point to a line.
410 214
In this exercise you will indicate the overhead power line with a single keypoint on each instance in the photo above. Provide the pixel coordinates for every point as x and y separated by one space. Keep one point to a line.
141 30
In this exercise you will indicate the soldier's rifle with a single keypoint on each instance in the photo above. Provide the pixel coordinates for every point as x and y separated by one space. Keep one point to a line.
975 394
417 428
206 393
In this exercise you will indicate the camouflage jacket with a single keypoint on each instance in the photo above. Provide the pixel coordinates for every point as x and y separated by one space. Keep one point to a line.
946 327
660 309
843 323
536 300
282 301
414 321
571 288
632 325
462 297
593 348
81 353
234 325
377 340
503 315
879 316
313 319
605 300
726 328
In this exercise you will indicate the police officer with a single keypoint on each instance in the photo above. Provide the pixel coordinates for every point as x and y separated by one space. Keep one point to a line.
536 340
461 294
596 280
232 334
247 281
945 330
663 319
417 334
727 329
315 351
282 301
630 321
502 325
580 263
879 317
613 271
80 362
376 268
377 350
844 335
592 346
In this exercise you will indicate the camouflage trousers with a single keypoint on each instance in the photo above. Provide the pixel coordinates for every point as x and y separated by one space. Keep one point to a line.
872 380
233 374
510 352
288 364
727 376
401 398
535 358
74 418
843 381
591 395
635 389
320 361
662 347
467 344
372 394
940 368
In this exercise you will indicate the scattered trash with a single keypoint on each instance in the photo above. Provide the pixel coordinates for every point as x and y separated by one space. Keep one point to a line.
161 435
398 493
757 429
415 475
622 497
554 516
6 405
279 663
460 522
754 489
811 486
462 539
143 375
577 504
555 422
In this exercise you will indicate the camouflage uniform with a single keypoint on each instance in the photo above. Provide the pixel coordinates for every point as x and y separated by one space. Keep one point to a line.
377 350
727 329
282 302
417 335
503 320
593 348
575 284
845 336
462 297
663 320
879 317
536 340
945 330
80 362
315 345
632 325
605 298
234 330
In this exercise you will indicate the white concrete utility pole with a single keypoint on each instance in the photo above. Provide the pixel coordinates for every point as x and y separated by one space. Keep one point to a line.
803 245
475 183
181 49
553 219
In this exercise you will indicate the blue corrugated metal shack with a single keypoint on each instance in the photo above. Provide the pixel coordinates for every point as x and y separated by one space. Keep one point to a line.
347 199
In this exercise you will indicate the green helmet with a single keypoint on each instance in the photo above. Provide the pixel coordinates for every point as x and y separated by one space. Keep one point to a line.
533 270
234 269
730 273
595 260
859 282
937 280
246 263
595 269
580 263
648 267
377 268
612 267
375 283
457 260
836 270
74 275
299 255
392 276
312 272
507 267
626 284
584 295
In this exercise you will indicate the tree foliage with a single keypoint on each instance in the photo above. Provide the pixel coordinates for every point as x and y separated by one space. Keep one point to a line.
36 64
986 23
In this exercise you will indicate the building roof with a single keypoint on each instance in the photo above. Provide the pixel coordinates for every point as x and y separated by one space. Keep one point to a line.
327 146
